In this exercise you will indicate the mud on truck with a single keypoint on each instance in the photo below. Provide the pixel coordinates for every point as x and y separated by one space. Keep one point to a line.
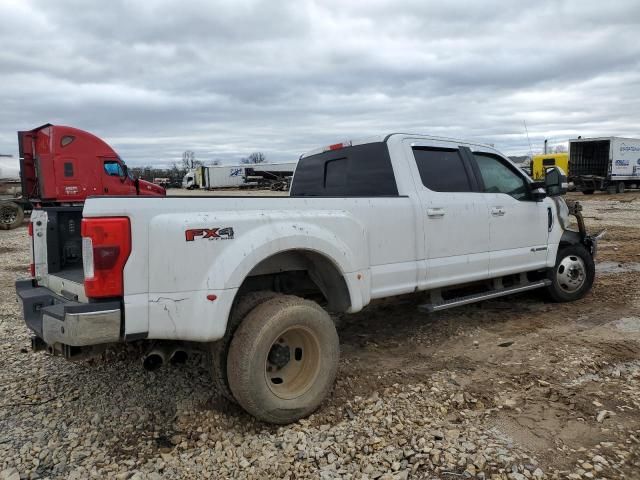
253 282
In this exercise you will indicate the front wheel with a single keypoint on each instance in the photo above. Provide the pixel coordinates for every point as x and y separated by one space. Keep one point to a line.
573 274
283 359
620 187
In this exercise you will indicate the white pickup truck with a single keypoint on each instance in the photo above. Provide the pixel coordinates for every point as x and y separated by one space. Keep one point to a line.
252 280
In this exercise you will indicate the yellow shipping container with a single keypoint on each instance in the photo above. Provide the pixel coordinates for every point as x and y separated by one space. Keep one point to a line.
539 163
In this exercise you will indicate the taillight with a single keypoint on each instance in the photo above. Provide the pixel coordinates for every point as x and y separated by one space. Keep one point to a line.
106 245
30 229
338 146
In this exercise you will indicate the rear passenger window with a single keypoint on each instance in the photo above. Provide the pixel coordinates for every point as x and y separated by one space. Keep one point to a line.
442 170
358 171
335 174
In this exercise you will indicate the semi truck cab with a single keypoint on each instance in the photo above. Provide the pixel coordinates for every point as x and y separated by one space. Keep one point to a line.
60 164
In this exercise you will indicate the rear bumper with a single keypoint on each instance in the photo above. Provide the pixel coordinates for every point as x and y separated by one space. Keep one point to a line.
59 321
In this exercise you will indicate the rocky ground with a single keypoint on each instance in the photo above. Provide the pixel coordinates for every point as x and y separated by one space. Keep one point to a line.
511 389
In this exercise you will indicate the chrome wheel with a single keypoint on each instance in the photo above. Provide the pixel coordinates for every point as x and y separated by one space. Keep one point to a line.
571 273
293 363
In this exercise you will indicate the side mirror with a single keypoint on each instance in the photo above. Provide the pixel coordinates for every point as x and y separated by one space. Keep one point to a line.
538 191
124 172
555 182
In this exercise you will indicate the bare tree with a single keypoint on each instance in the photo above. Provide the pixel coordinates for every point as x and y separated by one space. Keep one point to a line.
189 161
560 149
255 157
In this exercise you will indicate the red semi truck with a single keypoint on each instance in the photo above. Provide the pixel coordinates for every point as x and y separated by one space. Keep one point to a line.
61 164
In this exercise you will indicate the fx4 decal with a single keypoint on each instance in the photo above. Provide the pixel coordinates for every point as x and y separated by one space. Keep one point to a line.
225 233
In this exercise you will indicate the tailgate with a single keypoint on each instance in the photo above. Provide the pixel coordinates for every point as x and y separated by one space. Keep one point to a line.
57 251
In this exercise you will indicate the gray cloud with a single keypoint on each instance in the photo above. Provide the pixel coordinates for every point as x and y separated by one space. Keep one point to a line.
155 78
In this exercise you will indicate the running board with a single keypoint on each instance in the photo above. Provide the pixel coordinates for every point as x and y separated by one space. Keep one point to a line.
456 302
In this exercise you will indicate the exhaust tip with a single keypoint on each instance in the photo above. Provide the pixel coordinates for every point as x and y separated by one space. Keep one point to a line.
152 362
178 357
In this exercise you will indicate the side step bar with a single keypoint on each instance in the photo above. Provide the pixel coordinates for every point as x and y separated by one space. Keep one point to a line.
456 302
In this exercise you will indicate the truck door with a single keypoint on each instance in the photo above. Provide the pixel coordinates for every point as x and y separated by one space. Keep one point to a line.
115 181
518 225
456 226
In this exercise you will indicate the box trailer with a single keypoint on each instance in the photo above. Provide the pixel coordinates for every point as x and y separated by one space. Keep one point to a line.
245 175
224 176
606 163
214 176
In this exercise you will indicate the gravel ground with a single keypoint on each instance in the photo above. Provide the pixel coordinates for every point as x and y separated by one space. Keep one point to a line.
511 389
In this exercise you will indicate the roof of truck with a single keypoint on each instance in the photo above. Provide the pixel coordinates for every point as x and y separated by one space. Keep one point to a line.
385 137
593 139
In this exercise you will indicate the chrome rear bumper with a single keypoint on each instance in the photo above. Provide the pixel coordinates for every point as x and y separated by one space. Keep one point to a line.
58 321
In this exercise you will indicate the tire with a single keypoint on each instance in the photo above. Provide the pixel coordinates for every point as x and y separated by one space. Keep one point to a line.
219 350
620 187
573 274
611 189
11 215
283 359
588 192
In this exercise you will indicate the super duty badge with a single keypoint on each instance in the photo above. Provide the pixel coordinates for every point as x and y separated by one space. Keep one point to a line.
225 233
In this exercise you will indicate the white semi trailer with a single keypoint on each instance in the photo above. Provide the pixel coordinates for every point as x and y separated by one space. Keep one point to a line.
214 176
606 163
226 176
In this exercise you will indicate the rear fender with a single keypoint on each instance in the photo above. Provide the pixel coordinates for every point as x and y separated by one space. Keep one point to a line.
188 314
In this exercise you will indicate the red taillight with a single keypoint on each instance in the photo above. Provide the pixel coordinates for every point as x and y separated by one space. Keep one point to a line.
106 248
30 229
338 146
32 269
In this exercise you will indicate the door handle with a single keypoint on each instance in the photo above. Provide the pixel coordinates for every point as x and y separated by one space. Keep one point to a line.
435 212
498 211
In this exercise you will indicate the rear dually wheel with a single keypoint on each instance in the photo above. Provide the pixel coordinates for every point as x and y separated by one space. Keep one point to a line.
283 359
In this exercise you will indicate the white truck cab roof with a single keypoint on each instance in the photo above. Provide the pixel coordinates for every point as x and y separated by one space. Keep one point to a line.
386 137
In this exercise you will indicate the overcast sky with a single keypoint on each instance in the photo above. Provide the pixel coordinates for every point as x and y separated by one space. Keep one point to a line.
155 78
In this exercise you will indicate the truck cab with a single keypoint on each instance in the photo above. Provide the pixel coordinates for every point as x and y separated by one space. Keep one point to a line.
540 163
60 164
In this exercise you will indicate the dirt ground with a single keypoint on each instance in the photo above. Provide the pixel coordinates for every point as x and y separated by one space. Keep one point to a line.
560 383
